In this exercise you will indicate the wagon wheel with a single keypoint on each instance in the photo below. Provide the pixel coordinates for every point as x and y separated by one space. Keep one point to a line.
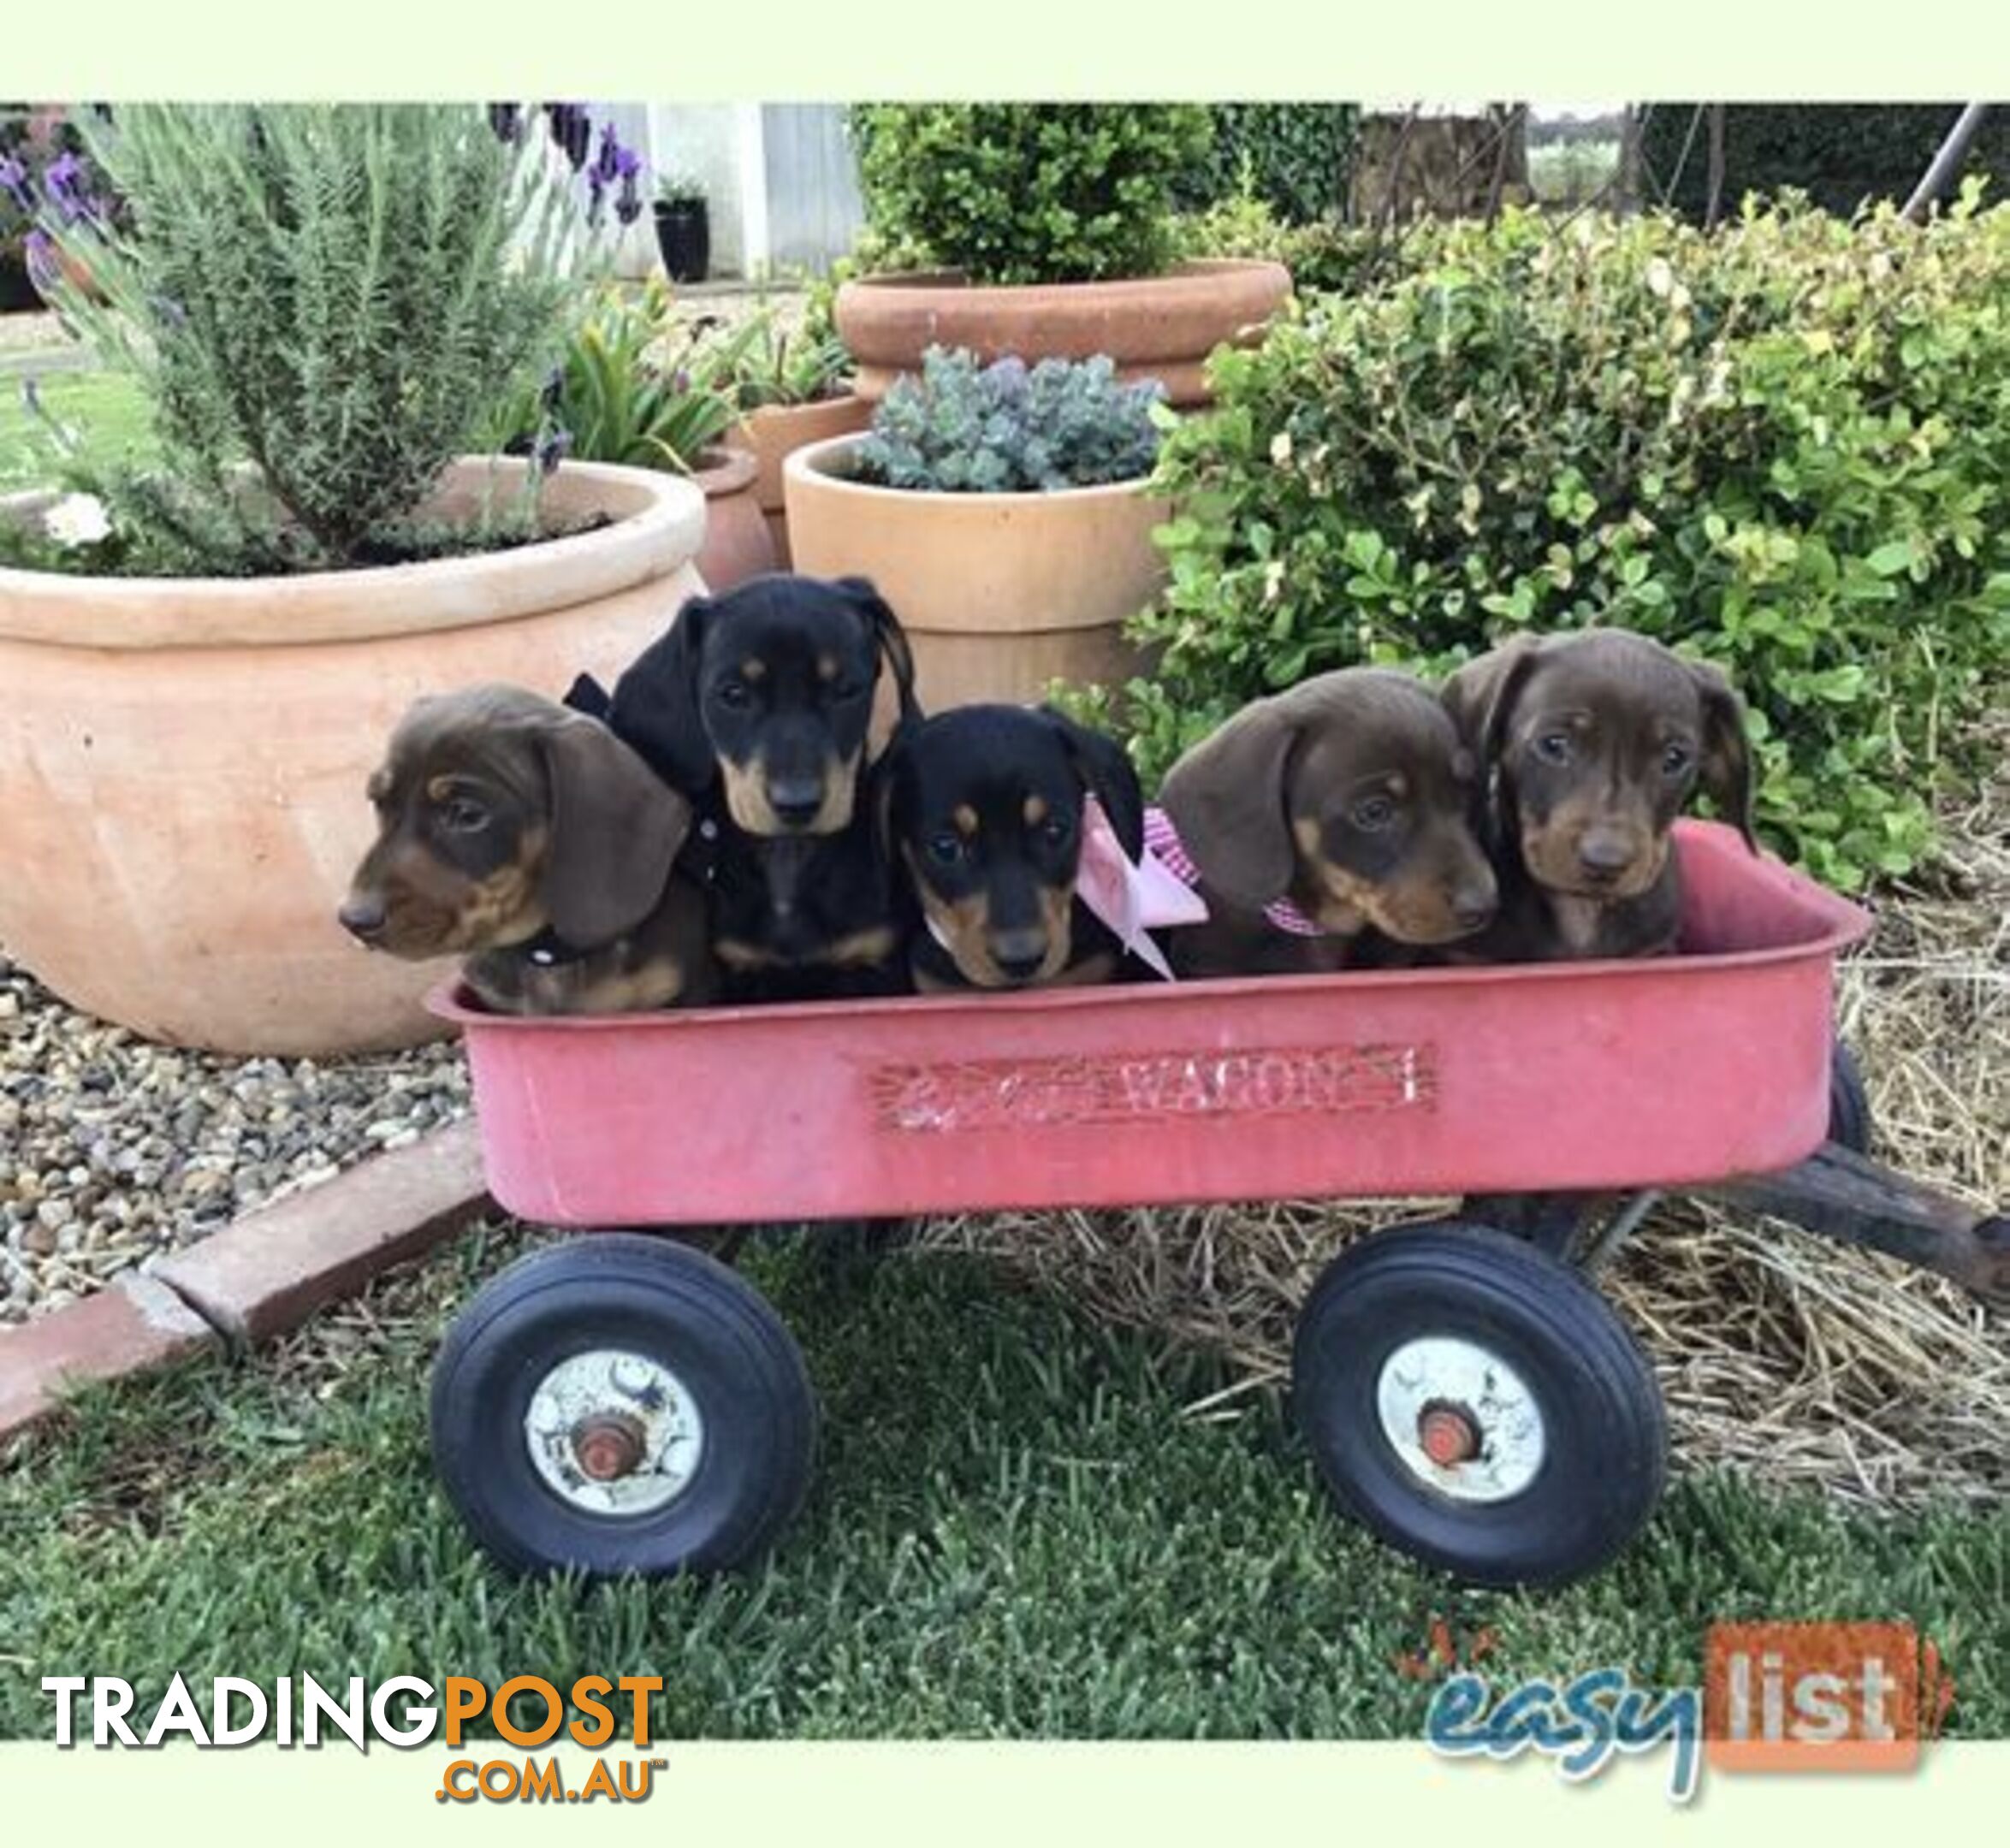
622 1403
1478 1405
1850 1121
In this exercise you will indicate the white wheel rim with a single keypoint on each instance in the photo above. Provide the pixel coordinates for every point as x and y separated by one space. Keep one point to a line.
613 1432
1441 1384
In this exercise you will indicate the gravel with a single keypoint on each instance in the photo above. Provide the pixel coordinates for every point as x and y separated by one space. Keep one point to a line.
113 1149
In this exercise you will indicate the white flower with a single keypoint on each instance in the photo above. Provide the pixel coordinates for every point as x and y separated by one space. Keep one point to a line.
77 520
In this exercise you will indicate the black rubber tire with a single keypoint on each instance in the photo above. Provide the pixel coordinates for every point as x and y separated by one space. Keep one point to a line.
705 1322
1851 1124
1606 1457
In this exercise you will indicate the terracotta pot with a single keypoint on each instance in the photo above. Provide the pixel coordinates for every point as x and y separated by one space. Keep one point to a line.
737 543
182 760
1000 594
1154 327
775 432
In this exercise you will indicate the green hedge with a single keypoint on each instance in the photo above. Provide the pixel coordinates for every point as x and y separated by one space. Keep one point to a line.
1840 154
1295 157
1785 448
1028 192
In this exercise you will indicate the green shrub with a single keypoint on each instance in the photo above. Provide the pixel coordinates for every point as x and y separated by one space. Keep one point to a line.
632 387
1323 257
1840 154
1028 192
332 297
1295 157
1007 428
1785 448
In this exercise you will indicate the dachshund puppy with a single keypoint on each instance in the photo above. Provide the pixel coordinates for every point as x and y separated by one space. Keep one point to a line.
531 841
1329 827
984 808
756 707
1594 743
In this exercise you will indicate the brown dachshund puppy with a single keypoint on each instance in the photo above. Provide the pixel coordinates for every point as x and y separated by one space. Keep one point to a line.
532 841
1593 743
1330 826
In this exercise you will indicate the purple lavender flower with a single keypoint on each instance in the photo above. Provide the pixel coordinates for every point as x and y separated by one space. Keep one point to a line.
506 121
554 390
14 179
628 165
608 164
596 196
553 446
31 397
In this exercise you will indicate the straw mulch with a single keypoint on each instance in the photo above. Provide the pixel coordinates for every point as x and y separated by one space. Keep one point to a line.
1800 1361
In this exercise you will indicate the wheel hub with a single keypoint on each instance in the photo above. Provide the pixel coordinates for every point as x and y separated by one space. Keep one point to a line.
1460 1419
613 1432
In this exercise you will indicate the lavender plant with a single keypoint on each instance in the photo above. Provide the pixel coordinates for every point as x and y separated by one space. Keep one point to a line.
324 303
964 427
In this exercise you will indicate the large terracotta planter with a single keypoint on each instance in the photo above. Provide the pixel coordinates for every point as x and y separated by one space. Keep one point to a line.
737 543
182 762
1000 593
774 432
1154 327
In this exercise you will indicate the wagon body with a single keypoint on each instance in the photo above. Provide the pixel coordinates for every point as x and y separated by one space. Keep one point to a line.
1585 1075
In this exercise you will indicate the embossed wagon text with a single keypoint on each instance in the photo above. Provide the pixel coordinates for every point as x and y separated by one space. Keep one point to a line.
967 1094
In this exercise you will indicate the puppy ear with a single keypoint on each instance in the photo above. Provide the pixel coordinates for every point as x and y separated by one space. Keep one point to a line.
1225 797
1727 772
616 827
1107 773
887 634
655 704
1480 696
586 694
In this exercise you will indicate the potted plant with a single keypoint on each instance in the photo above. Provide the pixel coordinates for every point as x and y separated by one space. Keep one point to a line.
1002 510
684 229
792 385
1048 232
202 658
637 388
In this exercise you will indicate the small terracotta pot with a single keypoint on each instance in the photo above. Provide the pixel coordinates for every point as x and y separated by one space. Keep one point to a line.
1154 327
774 432
182 760
737 543
1000 593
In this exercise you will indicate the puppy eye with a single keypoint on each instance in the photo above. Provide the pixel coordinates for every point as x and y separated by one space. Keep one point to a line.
462 816
1674 760
1554 747
946 850
735 694
1373 813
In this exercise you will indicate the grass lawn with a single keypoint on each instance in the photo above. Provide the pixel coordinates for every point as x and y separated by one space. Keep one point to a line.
1015 1530
105 409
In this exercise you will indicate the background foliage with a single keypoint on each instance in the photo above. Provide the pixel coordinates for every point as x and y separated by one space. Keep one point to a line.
1292 156
1028 192
1786 447
1839 154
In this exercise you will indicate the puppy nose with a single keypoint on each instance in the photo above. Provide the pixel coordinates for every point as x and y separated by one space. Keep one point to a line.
796 800
1474 906
1604 855
362 914
1019 953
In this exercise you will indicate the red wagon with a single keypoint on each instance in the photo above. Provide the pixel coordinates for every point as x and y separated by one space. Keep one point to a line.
631 1403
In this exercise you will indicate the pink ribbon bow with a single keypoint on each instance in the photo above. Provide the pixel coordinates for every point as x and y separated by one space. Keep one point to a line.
1131 897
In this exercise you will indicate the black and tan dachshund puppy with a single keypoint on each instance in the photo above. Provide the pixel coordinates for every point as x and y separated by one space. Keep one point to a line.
532 842
985 808
758 706
1331 826
1594 743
